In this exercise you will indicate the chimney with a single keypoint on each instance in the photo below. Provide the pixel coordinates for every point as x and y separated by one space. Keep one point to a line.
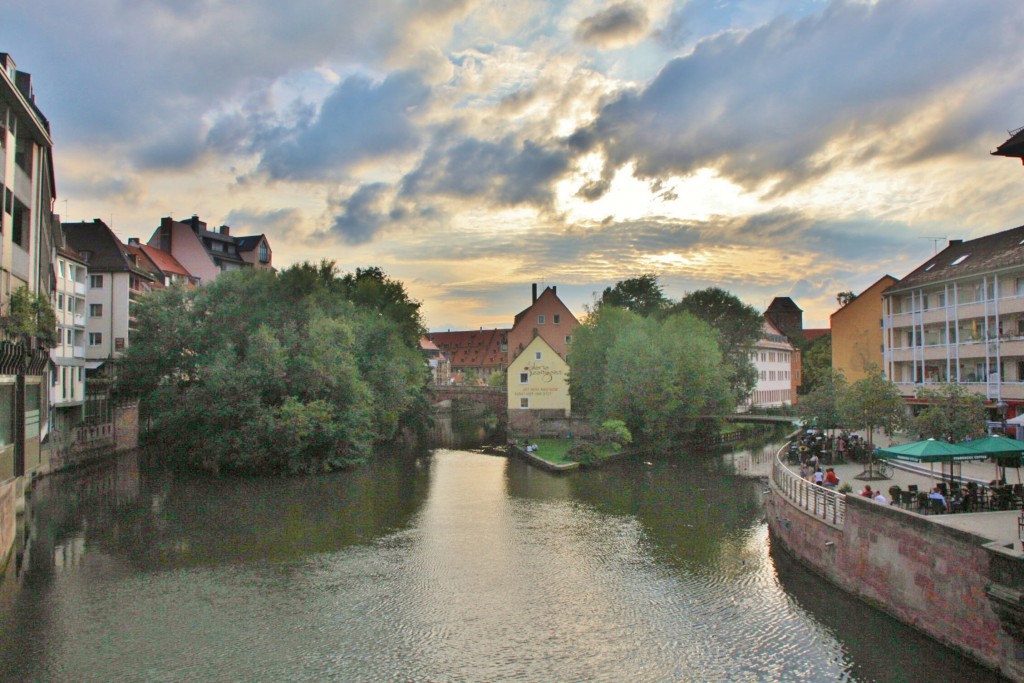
195 223
534 292
953 243
554 290
164 236
24 83
225 230
133 242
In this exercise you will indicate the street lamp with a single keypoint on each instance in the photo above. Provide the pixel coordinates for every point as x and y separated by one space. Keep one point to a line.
1001 408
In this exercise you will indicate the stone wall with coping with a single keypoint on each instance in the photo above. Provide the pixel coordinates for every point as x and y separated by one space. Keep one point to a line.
927 575
8 519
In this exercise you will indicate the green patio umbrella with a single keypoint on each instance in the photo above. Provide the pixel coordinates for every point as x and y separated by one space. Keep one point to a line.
1005 450
930 451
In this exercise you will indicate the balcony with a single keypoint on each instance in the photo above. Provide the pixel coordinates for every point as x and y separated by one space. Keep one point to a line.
78 351
81 288
79 320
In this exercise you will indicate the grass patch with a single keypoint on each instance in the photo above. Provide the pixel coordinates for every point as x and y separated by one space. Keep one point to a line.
556 451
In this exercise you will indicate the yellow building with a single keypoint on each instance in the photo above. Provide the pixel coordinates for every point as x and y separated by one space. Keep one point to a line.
857 332
538 379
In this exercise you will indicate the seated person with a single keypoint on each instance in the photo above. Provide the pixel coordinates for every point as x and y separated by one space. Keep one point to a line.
880 498
867 492
831 480
937 501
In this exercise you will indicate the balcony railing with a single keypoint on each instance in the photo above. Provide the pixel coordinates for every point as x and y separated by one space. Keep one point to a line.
818 501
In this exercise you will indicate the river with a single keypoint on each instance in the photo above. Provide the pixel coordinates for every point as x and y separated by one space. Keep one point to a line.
455 567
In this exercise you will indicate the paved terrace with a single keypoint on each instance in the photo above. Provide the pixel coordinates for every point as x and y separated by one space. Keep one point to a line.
995 526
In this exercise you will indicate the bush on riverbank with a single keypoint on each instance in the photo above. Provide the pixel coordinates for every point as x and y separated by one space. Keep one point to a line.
257 372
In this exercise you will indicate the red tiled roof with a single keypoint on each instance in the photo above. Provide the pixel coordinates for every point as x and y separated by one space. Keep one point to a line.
164 261
473 348
812 333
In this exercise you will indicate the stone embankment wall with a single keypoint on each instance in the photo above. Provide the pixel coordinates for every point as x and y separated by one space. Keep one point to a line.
88 442
937 579
8 519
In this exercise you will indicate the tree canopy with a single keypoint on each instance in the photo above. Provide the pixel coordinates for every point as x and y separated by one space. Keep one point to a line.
659 377
738 326
255 372
816 363
642 295
873 403
950 413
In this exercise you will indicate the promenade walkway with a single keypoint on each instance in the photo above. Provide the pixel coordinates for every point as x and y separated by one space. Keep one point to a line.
995 526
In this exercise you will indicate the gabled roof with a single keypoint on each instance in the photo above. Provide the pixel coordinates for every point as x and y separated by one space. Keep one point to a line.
968 258
164 261
812 333
473 348
783 303
880 285
1014 147
106 252
547 290
248 242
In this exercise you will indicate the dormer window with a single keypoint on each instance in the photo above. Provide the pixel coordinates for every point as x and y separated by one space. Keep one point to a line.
930 266
85 255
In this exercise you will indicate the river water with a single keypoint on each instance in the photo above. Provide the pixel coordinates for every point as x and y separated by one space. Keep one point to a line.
455 567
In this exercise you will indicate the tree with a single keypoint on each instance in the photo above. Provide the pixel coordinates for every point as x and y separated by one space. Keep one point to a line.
816 363
821 406
265 373
29 315
738 326
873 403
660 378
642 295
951 413
843 298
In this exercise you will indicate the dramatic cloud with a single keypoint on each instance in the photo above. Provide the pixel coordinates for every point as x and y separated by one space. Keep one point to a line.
787 102
620 24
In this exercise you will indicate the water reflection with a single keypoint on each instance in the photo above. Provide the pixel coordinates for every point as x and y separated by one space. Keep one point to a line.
456 567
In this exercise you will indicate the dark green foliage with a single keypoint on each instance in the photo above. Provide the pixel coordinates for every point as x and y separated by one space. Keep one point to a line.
817 363
951 412
266 373
738 326
660 378
30 315
642 295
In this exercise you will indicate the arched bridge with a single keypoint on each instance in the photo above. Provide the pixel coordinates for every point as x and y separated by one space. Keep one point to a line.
461 396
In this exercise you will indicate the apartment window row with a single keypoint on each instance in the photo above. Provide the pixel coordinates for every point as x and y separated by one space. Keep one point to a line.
771 396
556 319
774 375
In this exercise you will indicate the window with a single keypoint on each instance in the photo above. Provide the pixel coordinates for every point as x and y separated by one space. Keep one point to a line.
69 337
61 266
524 403
60 302
95 281
568 339
960 259
540 320
95 338
556 318
264 253
537 355
524 378
95 310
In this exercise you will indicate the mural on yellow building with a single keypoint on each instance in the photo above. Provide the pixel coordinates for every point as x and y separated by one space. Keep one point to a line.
538 379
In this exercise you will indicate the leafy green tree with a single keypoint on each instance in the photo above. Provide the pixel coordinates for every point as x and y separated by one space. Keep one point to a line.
821 406
265 373
661 378
951 412
816 363
498 380
30 315
738 326
642 295
873 403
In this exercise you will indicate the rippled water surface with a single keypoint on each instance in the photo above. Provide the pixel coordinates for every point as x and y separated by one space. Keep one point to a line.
459 567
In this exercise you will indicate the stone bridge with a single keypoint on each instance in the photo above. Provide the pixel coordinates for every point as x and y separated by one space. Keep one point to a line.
460 396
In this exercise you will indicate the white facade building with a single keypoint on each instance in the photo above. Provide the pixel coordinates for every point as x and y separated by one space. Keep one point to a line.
960 318
773 360
67 390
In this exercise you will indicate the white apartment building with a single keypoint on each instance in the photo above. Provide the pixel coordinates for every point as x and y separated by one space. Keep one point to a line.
960 318
67 390
773 358
27 229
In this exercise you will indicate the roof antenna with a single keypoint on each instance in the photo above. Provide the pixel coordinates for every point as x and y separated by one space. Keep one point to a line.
935 242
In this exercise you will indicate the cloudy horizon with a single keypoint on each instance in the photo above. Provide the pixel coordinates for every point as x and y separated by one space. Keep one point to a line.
471 148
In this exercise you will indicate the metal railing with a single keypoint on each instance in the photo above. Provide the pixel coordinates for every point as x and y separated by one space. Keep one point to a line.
818 501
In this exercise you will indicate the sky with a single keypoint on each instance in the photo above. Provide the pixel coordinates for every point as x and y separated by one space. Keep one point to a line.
470 148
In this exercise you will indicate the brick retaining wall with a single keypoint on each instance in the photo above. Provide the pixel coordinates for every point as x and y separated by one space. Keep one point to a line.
926 575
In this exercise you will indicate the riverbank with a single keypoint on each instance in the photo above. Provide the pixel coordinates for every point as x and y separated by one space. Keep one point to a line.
959 587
